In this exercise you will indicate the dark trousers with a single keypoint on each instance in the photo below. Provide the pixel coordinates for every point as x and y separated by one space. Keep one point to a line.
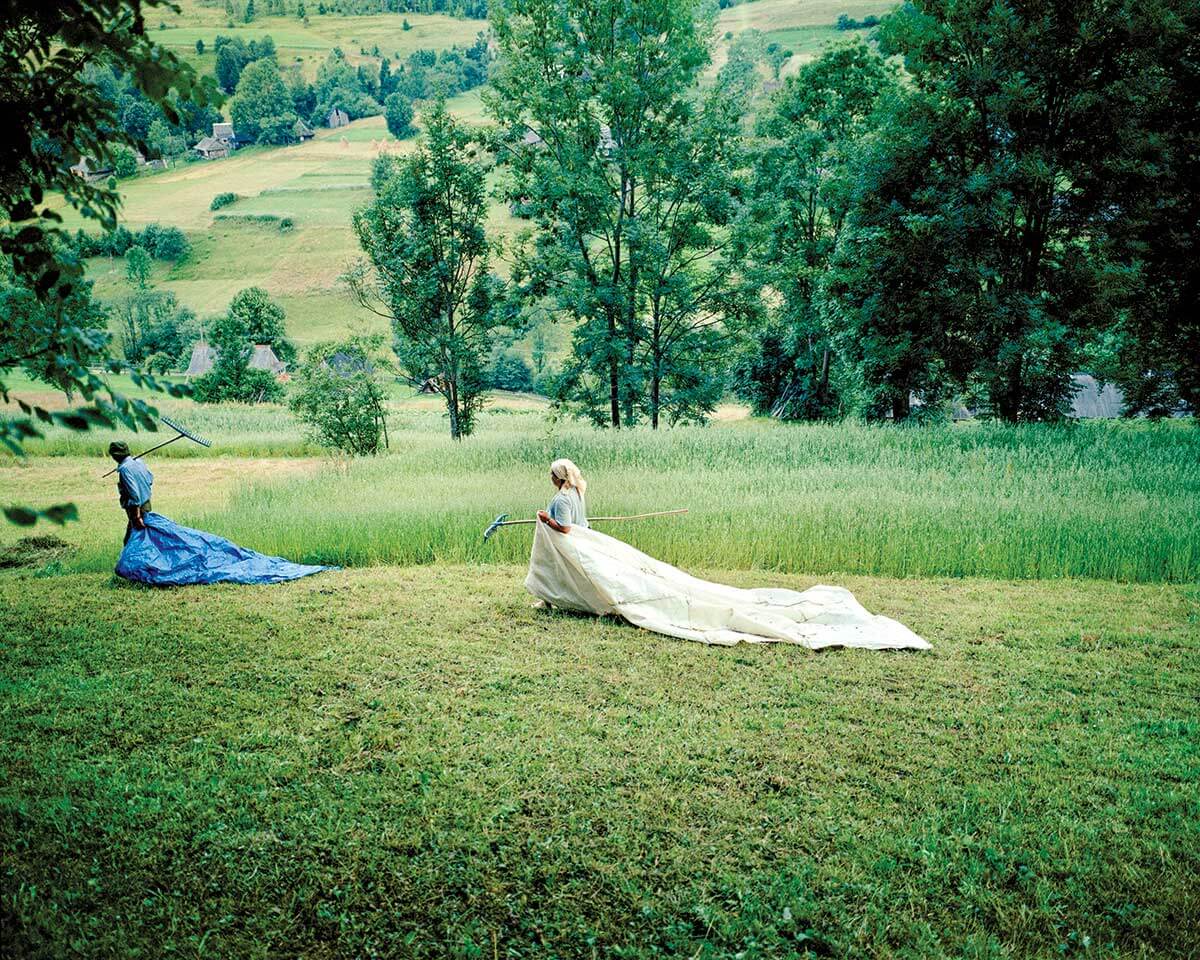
146 508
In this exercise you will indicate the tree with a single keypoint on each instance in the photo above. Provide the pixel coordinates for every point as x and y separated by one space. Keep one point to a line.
27 318
232 57
424 236
398 110
386 81
152 323
44 49
1153 352
801 193
304 97
263 320
262 107
136 117
629 180
338 86
162 141
249 18
1021 125
338 396
137 267
125 163
537 351
230 379
200 48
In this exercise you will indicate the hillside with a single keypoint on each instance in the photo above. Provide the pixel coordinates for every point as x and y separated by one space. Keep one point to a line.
317 185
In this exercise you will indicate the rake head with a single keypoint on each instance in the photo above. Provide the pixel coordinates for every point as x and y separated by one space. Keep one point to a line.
185 432
494 525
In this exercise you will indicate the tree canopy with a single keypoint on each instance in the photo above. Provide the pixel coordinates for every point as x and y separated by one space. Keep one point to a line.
45 49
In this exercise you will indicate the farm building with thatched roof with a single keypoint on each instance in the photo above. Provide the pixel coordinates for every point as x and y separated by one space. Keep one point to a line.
204 357
264 358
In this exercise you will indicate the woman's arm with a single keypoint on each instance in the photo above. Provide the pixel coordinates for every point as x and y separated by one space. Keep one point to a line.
552 523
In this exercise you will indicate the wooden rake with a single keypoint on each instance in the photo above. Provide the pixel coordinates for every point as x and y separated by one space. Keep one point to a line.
180 433
503 521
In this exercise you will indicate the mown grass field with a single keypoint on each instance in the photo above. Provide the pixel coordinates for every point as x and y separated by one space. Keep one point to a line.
317 185
307 45
410 762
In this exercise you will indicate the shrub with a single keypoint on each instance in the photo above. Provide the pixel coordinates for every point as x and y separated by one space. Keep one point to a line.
339 399
124 161
168 243
162 243
286 224
511 372
222 200
159 363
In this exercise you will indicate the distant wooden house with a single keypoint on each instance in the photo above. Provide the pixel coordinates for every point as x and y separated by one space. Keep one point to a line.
89 170
210 148
203 358
263 358
531 138
347 364
302 131
772 86
1093 401
337 118
222 142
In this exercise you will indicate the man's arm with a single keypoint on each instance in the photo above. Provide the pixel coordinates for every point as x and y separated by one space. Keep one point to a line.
134 512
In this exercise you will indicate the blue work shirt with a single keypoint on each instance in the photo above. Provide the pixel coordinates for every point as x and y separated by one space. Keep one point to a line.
568 508
134 480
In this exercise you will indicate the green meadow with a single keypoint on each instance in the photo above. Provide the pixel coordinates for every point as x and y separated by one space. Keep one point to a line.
410 762
1092 500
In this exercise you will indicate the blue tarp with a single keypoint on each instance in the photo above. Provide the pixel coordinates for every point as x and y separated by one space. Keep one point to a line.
168 555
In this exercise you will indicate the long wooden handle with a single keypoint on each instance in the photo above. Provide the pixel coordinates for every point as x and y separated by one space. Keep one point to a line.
636 516
144 452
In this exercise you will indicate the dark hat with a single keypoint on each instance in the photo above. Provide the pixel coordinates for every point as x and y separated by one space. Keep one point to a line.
118 448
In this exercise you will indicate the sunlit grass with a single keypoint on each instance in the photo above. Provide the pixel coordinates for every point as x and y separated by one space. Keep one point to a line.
1105 500
410 762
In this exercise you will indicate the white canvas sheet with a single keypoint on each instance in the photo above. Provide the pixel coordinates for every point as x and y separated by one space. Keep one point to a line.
587 571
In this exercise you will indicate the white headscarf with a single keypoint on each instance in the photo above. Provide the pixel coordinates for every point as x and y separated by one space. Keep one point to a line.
566 471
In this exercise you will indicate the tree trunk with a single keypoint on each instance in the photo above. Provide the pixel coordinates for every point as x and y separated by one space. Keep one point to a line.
1011 393
452 410
900 407
655 394
614 372
823 383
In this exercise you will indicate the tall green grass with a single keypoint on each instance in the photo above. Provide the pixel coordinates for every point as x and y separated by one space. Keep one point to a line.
1109 501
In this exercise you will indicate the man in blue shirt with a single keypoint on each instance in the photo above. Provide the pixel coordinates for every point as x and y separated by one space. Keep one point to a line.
134 480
